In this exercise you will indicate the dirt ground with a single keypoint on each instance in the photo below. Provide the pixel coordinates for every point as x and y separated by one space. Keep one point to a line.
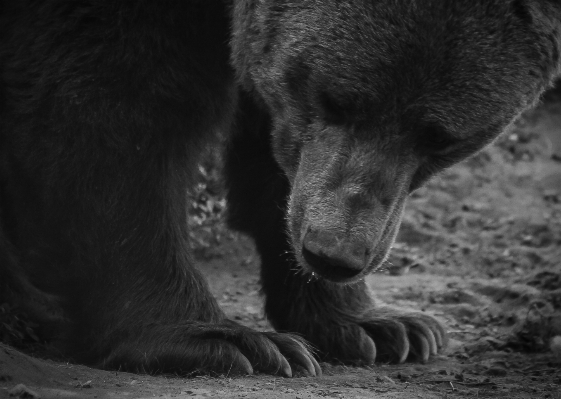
480 248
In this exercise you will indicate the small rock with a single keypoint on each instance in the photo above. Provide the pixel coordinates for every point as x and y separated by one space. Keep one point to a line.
480 346
496 372
23 392
556 346
87 384
402 377
386 379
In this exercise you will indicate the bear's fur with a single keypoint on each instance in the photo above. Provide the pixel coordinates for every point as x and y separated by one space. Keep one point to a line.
337 110
365 101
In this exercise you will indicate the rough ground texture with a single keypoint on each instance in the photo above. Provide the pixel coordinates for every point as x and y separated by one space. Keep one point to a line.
480 248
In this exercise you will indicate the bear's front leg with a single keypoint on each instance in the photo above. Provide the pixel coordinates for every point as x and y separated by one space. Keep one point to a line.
104 107
341 320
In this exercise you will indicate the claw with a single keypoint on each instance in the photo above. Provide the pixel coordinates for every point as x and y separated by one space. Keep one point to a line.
368 348
317 367
405 349
432 342
422 330
306 360
292 350
425 348
241 365
285 369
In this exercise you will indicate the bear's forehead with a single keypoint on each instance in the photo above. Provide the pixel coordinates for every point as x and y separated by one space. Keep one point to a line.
430 88
434 59
367 35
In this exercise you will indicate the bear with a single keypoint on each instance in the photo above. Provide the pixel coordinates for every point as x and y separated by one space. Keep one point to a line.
361 102
334 110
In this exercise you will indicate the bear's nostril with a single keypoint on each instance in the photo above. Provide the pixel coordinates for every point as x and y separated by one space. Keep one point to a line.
333 259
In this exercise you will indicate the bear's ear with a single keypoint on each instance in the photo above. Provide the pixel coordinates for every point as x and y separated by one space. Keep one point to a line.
544 17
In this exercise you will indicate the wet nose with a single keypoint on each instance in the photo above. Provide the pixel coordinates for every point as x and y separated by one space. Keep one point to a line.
332 256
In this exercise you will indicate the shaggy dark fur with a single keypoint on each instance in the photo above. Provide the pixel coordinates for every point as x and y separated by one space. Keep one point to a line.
342 109
361 102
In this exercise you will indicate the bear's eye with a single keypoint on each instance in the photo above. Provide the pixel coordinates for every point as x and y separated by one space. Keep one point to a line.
331 110
434 139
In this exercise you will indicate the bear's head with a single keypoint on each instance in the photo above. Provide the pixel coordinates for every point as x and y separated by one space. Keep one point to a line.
369 99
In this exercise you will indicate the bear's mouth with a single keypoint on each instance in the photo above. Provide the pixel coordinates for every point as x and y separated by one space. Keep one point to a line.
342 268
333 269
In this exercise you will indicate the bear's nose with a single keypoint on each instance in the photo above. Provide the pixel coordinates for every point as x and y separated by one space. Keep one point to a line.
334 257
